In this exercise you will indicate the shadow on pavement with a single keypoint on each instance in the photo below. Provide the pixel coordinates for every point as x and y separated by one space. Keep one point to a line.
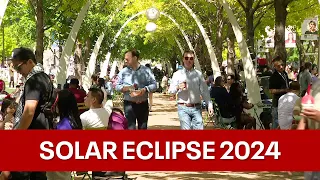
218 175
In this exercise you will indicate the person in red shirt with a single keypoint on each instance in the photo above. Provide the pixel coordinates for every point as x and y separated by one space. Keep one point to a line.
78 93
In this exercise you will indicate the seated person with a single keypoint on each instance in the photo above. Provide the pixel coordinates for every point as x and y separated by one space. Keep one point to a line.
239 104
97 117
79 94
223 100
8 110
286 106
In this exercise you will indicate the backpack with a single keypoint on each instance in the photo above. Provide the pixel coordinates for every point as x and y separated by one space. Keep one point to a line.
117 121
49 107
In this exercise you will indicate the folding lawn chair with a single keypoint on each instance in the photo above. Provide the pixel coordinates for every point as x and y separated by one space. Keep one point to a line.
108 175
84 174
218 122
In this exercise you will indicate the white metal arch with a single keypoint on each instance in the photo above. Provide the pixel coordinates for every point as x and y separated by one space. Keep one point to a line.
213 58
67 50
108 56
3 8
197 64
91 64
92 61
249 70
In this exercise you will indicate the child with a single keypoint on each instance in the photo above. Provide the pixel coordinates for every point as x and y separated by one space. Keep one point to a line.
8 110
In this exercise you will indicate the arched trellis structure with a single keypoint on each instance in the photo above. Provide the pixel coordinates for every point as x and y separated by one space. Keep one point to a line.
250 78
166 15
213 58
66 54
67 50
249 70
90 69
91 65
3 7
250 75
179 45
97 46
197 64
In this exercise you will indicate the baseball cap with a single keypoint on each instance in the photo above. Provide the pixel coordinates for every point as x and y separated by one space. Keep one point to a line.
23 54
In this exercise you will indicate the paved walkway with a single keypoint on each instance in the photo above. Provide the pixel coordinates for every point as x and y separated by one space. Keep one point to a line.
164 116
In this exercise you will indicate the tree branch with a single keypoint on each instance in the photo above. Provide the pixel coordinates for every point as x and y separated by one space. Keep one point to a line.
242 5
48 27
260 17
56 19
56 8
33 8
306 8
257 6
261 5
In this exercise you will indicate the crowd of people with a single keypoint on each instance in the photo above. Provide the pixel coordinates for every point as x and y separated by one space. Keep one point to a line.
39 105
72 107
286 85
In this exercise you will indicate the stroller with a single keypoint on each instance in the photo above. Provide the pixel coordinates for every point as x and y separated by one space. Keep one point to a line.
117 121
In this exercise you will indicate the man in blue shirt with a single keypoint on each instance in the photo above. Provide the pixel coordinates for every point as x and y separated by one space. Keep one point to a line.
136 82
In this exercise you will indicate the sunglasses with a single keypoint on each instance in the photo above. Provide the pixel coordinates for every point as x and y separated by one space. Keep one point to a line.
18 67
189 58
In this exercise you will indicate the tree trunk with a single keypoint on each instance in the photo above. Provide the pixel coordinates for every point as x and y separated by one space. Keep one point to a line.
250 32
231 50
87 49
250 25
77 61
280 23
300 48
40 32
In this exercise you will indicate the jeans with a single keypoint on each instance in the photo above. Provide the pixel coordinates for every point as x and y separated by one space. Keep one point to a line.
275 122
136 112
190 117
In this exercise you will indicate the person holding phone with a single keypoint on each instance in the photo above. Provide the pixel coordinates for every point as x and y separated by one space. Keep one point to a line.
190 86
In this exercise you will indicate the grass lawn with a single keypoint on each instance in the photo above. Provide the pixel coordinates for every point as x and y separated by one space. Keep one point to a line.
9 90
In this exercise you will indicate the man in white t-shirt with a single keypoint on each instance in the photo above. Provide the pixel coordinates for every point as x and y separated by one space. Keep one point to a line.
286 106
97 117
